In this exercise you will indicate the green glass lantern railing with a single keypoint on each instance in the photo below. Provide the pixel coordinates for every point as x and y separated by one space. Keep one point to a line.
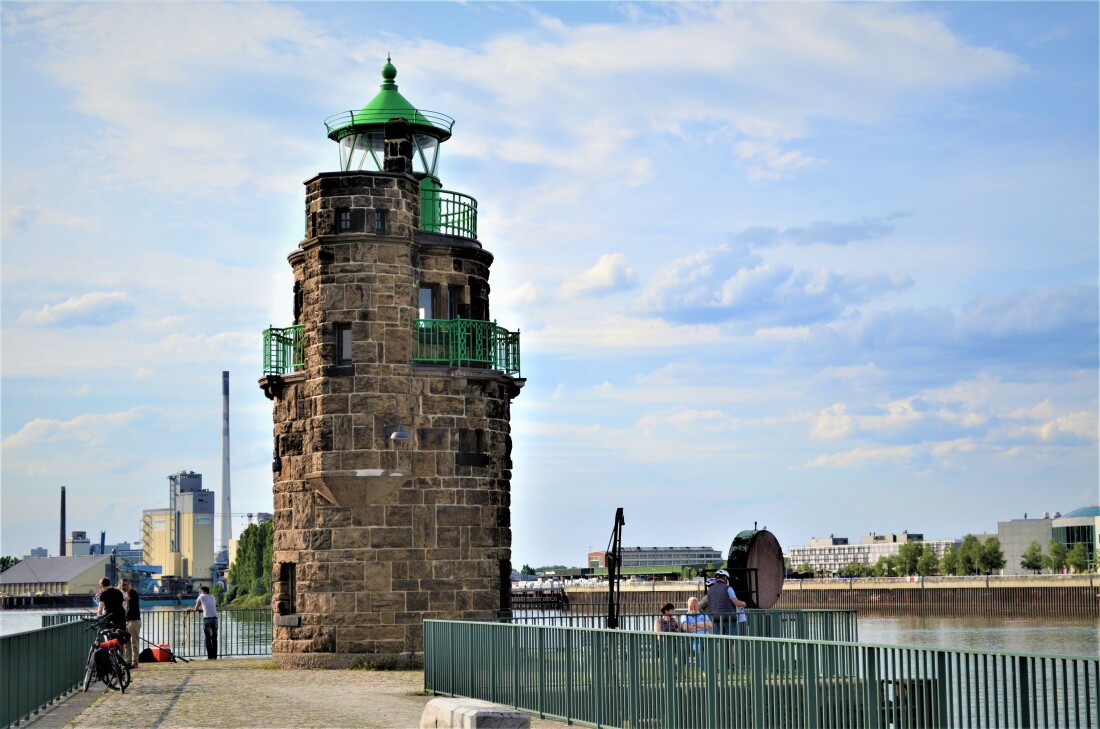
447 212
283 352
467 342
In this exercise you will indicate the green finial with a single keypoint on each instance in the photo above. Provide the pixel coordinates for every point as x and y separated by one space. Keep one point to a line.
389 71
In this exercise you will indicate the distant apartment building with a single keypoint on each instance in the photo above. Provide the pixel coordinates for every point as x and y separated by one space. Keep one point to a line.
831 554
659 556
36 553
180 538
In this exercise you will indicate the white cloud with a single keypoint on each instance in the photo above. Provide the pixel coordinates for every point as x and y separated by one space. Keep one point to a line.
611 274
89 429
867 456
96 309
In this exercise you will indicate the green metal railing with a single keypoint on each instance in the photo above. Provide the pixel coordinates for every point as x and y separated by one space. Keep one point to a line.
616 678
283 350
241 632
448 212
467 342
827 625
38 667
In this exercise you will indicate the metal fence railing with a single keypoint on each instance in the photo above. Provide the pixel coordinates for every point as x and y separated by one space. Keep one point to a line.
283 351
828 625
616 678
39 666
448 212
241 632
467 342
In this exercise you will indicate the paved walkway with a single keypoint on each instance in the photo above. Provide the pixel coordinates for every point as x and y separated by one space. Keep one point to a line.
250 693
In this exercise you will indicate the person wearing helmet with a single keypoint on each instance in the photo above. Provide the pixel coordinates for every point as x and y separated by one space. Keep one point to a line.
722 604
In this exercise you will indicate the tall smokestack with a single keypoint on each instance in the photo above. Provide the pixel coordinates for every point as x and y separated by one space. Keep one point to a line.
227 519
61 549
103 542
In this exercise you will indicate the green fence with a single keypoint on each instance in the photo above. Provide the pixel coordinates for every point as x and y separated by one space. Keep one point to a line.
240 632
616 678
467 342
448 212
283 350
829 625
38 667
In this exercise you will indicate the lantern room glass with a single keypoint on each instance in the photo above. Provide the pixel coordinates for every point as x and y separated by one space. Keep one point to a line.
360 150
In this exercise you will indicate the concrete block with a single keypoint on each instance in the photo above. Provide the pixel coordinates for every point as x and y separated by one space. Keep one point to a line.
458 713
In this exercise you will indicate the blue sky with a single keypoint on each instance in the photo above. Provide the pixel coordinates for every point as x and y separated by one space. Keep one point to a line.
830 268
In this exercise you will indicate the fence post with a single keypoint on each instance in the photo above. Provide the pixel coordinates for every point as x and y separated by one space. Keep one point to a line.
666 649
942 695
756 667
811 717
872 694
542 672
1023 696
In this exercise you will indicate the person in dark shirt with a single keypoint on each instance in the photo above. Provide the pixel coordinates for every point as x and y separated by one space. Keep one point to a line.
132 601
110 603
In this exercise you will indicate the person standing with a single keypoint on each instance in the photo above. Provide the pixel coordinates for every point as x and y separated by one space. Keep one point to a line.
209 608
722 604
110 604
131 600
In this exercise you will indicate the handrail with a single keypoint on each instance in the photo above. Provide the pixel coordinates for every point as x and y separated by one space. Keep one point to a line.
615 678
465 343
344 119
448 212
283 351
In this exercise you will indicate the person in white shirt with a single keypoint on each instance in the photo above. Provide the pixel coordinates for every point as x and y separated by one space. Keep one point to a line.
209 608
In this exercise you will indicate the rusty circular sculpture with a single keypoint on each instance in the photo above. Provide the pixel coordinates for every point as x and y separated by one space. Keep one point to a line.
756 568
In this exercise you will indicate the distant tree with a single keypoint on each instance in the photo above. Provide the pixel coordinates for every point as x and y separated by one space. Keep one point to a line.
1055 559
855 569
969 556
805 569
6 562
991 557
550 567
885 567
250 573
1078 557
527 569
1032 559
928 563
907 557
949 562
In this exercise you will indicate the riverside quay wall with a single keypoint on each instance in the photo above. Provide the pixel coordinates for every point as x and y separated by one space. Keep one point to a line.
1065 596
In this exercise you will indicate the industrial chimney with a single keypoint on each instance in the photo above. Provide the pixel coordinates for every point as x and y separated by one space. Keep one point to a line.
61 550
227 516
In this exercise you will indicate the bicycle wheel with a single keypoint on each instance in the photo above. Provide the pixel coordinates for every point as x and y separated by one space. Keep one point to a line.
89 672
117 676
125 673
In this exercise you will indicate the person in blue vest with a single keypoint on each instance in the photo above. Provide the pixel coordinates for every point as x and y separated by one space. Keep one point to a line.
721 604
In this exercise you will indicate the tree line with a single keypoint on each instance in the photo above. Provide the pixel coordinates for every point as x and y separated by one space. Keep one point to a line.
249 578
971 557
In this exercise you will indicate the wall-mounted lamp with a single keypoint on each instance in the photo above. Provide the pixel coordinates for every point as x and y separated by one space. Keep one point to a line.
395 431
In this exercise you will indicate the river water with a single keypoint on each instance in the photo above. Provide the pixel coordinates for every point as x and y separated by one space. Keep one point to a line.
1013 635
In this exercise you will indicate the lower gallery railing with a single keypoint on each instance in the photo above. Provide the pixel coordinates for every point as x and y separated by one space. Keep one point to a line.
615 678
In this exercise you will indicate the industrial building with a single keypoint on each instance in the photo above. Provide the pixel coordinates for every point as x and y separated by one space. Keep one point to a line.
1078 526
180 538
77 575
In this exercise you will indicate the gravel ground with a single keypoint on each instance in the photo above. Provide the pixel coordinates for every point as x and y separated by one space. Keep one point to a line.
250 693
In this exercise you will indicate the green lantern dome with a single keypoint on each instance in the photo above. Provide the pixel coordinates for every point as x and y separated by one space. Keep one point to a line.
361 133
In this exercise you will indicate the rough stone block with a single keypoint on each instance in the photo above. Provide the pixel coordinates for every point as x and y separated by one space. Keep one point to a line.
460 713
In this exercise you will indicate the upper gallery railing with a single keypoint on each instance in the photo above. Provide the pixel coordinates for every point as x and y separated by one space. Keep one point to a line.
467 342
617 678
448 212
283 350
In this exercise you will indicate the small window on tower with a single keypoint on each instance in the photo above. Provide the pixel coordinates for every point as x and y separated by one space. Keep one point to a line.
380 222
343 344
343 221
427 300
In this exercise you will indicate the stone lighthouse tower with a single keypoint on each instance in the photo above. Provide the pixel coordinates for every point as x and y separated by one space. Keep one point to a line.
392 393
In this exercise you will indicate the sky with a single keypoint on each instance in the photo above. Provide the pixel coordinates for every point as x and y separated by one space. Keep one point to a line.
819 268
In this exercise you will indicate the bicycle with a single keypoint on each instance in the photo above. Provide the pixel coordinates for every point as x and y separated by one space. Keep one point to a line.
105 655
